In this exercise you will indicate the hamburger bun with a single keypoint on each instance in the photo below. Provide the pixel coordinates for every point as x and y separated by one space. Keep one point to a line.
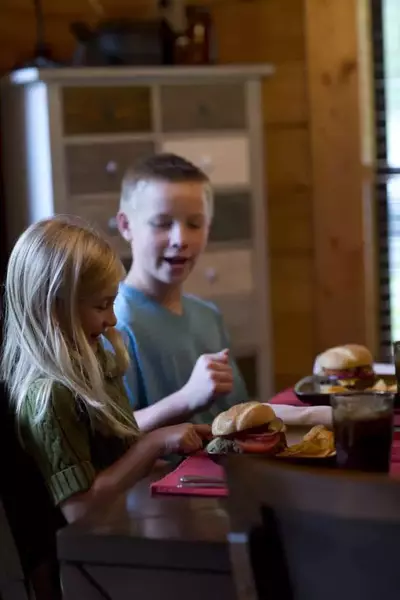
342 358
349 366
241 417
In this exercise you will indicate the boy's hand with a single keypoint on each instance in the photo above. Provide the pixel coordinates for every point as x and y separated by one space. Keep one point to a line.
184 438
211 377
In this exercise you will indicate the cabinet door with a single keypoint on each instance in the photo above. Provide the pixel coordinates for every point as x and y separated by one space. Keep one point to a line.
203 107
103 109
221 273
99 168
101 214
240 318
224 159
232 220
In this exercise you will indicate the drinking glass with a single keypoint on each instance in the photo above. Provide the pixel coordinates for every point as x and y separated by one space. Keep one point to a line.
363 428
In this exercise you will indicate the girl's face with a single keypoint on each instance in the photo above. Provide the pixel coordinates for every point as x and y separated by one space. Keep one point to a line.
96 313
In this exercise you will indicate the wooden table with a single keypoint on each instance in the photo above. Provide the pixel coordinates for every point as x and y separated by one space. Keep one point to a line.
143 547
152 548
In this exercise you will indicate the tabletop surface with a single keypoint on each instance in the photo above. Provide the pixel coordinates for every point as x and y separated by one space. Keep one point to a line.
204 519
187 529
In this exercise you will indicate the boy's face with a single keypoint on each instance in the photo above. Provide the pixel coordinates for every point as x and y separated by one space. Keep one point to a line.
167 228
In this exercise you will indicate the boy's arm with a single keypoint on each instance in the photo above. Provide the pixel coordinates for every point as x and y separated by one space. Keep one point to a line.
168 411
211 377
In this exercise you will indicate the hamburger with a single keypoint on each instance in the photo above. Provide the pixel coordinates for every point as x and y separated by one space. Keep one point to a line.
250 427
346 367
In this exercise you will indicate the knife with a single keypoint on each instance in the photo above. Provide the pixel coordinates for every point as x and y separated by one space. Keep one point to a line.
201 479
202 484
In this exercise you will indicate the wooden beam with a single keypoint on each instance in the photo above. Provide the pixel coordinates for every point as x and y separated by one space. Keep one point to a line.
345 285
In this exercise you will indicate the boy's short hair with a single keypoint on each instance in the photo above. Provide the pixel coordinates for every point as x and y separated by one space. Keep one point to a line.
166 167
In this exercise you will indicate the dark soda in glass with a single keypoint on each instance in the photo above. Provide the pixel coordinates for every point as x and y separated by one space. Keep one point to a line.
363 428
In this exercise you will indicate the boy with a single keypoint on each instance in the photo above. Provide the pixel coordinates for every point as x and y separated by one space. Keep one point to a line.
180 361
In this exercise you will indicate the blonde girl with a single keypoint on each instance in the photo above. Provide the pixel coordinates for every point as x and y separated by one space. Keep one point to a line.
71 409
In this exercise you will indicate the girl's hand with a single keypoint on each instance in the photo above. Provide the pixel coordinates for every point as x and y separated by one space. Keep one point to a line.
184 438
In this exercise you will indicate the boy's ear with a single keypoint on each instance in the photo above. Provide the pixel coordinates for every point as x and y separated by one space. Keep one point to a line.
124 226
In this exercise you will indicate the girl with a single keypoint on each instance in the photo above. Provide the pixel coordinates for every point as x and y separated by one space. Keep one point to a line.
72 412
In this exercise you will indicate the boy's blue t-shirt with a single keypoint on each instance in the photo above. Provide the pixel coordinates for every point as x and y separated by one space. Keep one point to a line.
164 348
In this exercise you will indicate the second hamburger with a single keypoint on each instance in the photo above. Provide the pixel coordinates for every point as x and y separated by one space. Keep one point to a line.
250 427
349 366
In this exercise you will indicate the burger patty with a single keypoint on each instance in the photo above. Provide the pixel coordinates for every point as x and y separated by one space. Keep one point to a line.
365 372
258 440
261 429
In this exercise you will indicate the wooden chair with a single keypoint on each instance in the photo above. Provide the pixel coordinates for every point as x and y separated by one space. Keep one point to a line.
12 579
312 534
28 518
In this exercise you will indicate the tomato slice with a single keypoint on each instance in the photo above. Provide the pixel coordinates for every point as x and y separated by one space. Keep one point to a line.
260 431
259 443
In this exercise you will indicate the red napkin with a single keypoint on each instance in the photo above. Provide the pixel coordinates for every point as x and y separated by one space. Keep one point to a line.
287 397
198 464
395 466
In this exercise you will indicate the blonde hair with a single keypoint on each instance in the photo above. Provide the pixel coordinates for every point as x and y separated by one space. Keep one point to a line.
163 167
54 264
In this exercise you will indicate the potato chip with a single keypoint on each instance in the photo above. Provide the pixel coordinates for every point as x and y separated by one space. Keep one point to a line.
317 443
382 386
316 432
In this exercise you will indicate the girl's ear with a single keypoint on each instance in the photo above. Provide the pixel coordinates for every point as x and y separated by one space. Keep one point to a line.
124 226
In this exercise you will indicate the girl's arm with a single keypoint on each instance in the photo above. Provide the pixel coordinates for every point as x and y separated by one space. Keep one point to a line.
129 469
134 465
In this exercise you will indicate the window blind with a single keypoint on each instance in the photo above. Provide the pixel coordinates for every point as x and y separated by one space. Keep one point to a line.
386 52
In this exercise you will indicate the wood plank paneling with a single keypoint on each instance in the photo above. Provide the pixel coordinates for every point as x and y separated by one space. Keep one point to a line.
292 279
17 25
293 319
273 31
288 158
342 260
259 31
285 96
290 214
294 347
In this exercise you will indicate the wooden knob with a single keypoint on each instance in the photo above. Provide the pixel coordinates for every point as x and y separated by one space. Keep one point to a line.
211 274
206 163
112 224
112 167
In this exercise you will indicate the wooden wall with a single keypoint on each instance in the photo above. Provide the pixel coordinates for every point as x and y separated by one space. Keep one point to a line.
341 112
314 166
276 34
